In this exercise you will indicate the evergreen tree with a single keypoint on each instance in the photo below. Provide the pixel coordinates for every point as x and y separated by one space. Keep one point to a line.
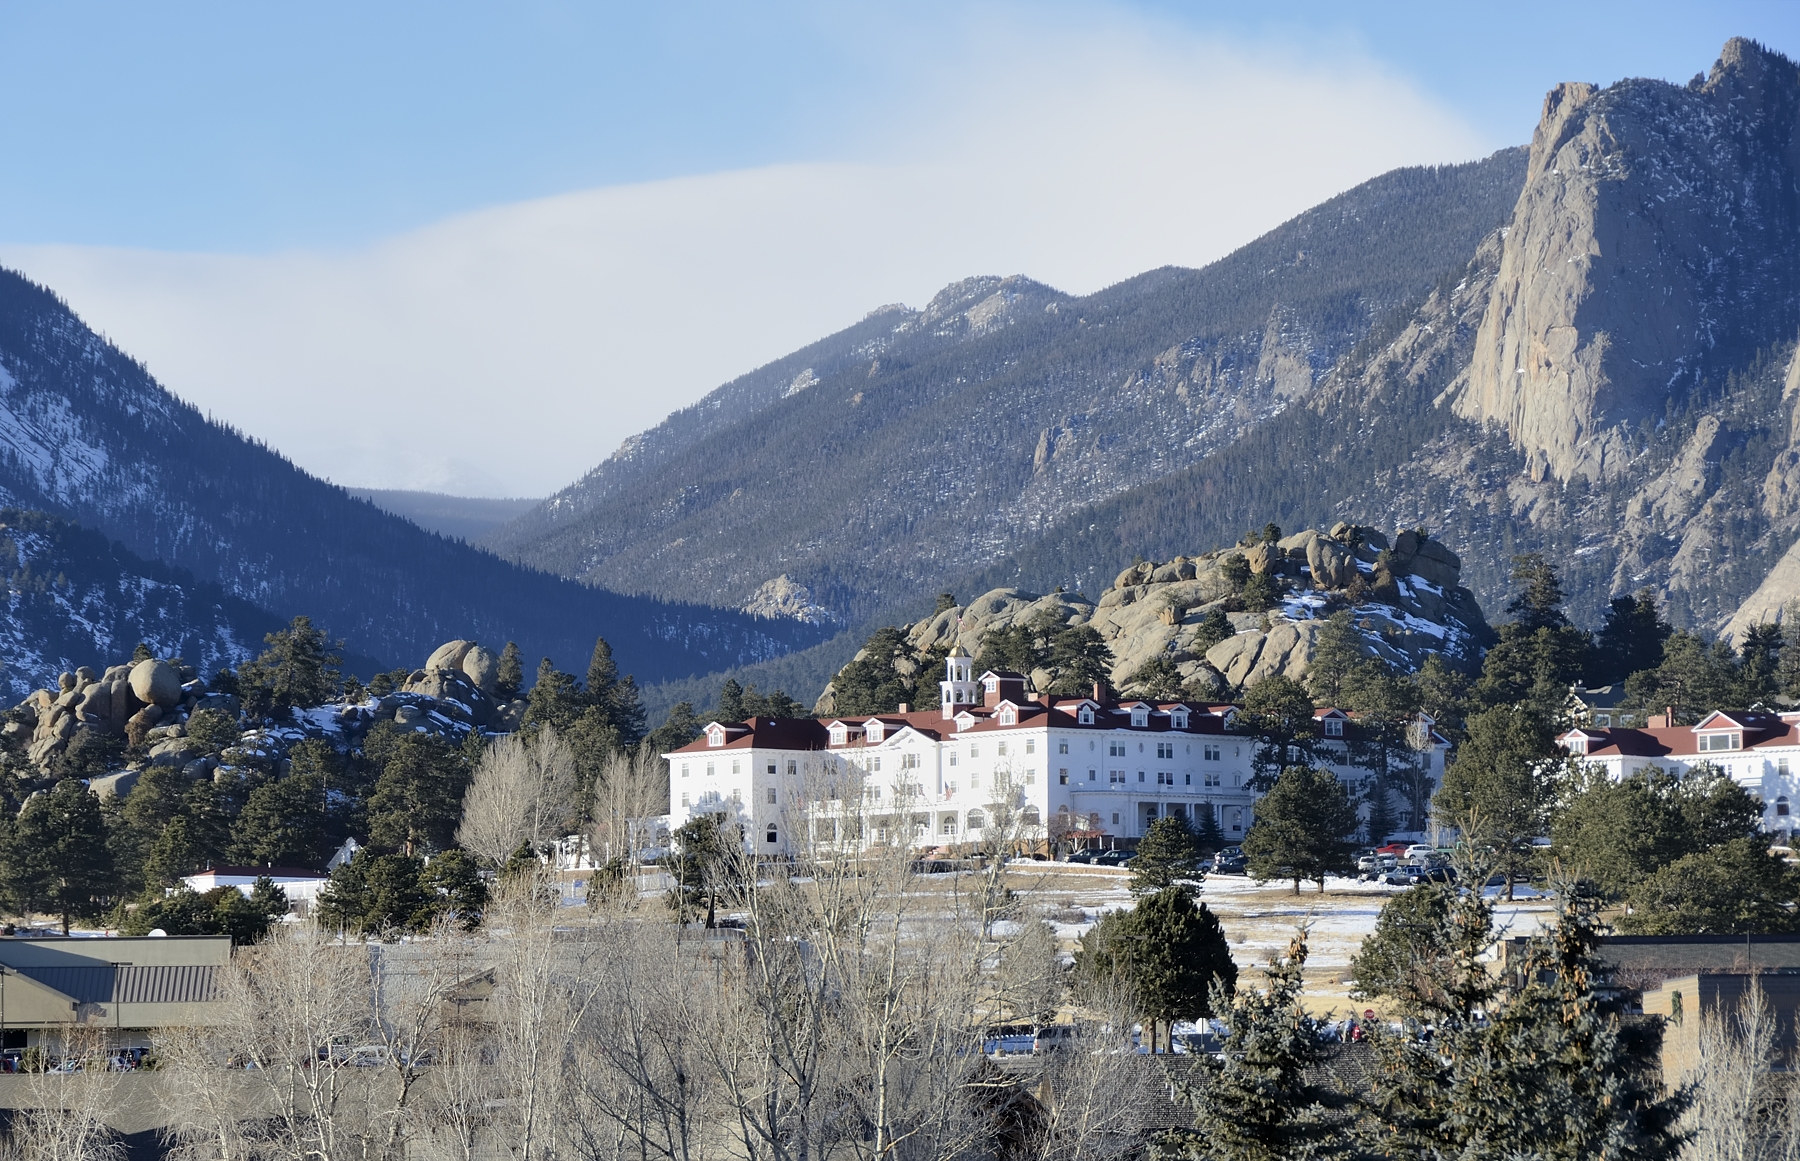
511 677
1260 592
417 800
1280 711
731 702
555 699
56 856
1303 828
1539 604
1694 678
1443 695
1168 857
1253 1101
1630 640
1735 888
1539 655
1550 1072
1615 834
1499 789
1012 648
286 823
1214 628
870 684
1168 952
682 726
1156 680
454 882
699 863
1208 834
299 668
1337 654
1409 957
378 894
1759 665
220 911
1080 658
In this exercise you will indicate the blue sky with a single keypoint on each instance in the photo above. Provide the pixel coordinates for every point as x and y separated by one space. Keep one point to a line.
183 172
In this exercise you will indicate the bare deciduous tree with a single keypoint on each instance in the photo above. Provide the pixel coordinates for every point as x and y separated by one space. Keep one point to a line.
1746 1106
524 792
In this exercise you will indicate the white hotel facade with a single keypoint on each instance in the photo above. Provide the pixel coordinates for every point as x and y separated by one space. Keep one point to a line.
988 758
1758 751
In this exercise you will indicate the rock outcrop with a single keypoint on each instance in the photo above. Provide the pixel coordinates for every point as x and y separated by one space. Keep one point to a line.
1403 594
1658 224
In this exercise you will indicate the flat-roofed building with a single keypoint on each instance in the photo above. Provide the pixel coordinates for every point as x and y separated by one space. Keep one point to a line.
121 987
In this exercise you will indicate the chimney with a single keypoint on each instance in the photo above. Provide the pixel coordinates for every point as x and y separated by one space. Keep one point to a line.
905 707
1099 692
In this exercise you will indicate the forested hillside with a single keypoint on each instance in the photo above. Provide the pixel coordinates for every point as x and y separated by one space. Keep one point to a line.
918 445
86 433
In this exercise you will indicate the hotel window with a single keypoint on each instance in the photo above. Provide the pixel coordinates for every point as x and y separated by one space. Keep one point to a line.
684 769
1140 775
1210 753
952 757
1062 747
1781 767
684 798
875 765
909 761
1009 716
1165 749
709 769
949 824
1334 728
1000 749
1115 749
1212 777
793 768
1031 745
1062 776
771 796
1187 779
771 769
974 749
737 767
1093 775
771 836
1781 807
1165 778
1115 776
1715 742
1115 818
1031 777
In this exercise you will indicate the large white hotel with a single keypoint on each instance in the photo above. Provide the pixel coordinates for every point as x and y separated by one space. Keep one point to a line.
990 756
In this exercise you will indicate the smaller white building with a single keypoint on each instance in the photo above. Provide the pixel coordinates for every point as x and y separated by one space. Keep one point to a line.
300 884
1758 751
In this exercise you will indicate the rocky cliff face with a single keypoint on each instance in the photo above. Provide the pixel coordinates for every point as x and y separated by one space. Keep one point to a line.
1657 239
882 463
1403 595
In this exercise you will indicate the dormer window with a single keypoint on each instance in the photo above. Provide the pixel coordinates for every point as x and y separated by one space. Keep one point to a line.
715 736
1334 727
1009 716
1140 716
839 735
1713 743
872 732
1085 715
1178 718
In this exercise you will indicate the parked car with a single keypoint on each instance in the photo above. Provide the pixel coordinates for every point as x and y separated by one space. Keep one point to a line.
1113 858
1082 856
1224 864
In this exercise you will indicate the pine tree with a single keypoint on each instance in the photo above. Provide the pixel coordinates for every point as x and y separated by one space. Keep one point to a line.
1498 790
1630 640
1337 654
1168 857
511 677
299 668
1253 1102
417 800
555 699
286 823
1168 952
1303 828
1081 659
56 856
1279 709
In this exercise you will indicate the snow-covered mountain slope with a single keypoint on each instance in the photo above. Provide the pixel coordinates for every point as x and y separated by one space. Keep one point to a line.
69 595
86 433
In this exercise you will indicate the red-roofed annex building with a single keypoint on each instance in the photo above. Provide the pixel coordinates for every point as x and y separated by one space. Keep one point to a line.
990 756
1758 751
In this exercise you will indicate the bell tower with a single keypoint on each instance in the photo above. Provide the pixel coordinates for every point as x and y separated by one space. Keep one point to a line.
960 689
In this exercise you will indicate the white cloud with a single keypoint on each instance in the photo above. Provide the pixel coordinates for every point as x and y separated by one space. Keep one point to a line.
508 350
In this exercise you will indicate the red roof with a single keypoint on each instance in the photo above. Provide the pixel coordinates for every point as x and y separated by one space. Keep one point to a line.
1760 730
